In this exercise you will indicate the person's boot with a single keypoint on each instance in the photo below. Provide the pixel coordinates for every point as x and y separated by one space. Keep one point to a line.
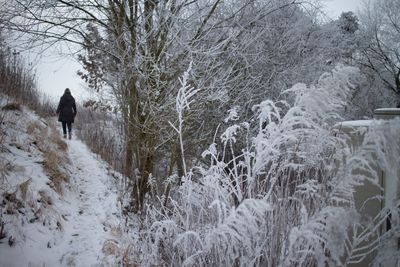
69 135
65 135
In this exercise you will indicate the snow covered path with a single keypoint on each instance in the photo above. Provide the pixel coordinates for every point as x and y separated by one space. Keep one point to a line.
94 214
81 227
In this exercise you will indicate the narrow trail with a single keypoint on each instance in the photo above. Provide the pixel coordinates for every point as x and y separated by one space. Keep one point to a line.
42 228
80 228
93 216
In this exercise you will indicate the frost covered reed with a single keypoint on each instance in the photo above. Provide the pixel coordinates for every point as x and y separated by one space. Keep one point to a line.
287 199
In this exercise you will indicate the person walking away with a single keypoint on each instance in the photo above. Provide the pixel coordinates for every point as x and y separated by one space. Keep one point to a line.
66 111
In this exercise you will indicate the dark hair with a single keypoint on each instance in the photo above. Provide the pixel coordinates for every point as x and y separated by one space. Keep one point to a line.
67 91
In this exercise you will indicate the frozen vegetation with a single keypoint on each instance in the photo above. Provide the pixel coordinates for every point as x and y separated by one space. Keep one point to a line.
59 202
287 197
220 133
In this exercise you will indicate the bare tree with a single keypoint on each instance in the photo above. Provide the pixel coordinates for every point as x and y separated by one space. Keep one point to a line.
139 48
381 28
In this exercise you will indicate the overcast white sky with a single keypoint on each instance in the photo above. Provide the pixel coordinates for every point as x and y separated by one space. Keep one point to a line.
55 73
335 7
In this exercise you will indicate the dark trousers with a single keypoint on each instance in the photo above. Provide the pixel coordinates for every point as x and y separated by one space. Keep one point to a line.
65 125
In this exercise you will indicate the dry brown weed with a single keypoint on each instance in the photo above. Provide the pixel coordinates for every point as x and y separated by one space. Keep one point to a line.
56 139
45 198
23 187
34 128
110 247
51 164
54 150
12 106
126 259
61 144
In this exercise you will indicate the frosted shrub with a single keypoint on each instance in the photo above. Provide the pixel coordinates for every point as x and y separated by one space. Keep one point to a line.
286 199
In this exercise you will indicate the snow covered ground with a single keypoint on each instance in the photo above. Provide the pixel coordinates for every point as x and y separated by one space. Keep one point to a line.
79 226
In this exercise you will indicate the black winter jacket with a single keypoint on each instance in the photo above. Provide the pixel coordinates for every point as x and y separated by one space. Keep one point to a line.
66 108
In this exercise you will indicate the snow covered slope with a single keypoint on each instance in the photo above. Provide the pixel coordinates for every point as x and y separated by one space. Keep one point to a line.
58 202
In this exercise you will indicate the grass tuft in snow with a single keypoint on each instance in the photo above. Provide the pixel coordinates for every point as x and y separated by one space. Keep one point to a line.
12 106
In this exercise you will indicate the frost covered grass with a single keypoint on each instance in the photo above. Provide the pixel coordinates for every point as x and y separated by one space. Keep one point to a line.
28 150
287 198
101 132
58 204
54 152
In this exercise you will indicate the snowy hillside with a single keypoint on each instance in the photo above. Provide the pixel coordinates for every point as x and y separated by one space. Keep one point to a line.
58 202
